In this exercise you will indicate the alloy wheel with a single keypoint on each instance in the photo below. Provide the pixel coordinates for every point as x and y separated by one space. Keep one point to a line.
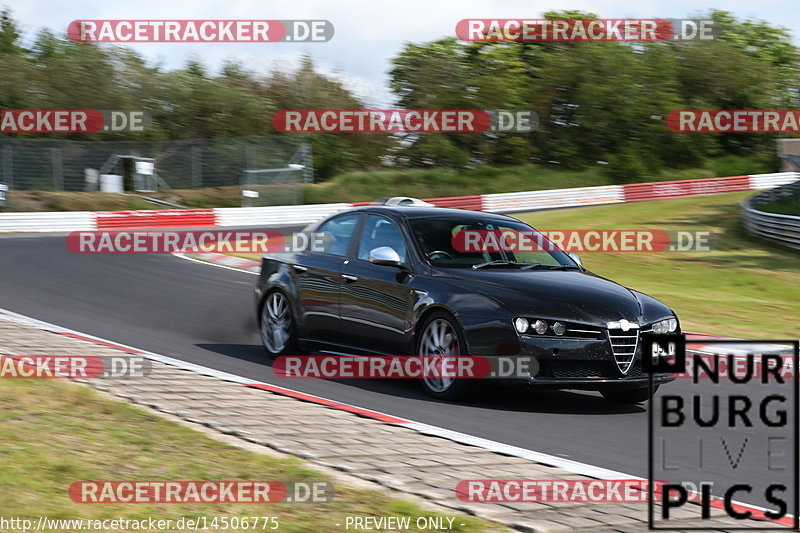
439 340
276 323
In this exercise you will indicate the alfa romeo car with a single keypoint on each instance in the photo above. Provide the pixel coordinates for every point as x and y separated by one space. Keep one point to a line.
389 280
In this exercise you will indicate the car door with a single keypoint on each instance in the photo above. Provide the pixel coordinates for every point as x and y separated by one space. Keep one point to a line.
318 278
376 299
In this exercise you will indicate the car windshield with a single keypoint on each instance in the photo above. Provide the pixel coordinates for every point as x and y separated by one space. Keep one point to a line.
475 242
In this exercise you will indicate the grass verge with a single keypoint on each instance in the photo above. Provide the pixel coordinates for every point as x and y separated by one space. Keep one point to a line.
745 287
53 433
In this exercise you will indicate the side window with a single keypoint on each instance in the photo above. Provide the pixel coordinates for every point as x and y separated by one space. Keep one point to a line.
336 233
379 231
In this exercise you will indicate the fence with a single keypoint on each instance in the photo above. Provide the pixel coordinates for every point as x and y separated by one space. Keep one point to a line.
302 214
783 229
60 165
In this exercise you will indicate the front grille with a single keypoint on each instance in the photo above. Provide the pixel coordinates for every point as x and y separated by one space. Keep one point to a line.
581 369
623 345
636 370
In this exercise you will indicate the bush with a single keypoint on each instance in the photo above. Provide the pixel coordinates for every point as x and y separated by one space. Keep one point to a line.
738 165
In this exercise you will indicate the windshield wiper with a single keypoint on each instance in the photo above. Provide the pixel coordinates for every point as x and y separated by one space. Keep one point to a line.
497 262
550 267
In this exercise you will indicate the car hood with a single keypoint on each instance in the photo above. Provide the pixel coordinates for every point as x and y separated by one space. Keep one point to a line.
570 295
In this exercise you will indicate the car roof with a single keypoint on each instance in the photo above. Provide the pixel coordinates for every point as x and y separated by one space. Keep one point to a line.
412 212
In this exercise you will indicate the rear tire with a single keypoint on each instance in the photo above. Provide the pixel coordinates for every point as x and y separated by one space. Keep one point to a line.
629 396
440 335
276 325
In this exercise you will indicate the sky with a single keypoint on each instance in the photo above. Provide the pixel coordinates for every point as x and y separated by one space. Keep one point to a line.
368 33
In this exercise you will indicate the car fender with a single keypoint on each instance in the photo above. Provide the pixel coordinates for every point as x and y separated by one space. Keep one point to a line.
487 324
277 275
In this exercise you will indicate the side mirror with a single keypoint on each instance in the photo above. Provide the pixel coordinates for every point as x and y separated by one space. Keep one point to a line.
575 257
384 255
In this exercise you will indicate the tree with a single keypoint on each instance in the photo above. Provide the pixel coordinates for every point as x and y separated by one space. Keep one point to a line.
9 34
307 88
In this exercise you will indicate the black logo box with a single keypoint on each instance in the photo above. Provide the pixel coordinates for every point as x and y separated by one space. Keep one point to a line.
678 366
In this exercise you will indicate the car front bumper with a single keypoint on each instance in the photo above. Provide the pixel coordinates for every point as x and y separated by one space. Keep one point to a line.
587 364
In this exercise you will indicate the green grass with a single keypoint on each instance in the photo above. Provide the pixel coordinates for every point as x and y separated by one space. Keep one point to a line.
438 182
53 433
745 287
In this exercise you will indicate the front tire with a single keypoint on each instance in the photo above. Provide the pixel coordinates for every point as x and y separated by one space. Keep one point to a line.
629 396
441 336
277 326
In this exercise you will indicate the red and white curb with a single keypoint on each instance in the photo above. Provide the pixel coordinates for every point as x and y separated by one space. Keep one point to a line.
574 467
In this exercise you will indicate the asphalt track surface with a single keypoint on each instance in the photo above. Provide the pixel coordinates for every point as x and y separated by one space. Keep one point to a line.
204 314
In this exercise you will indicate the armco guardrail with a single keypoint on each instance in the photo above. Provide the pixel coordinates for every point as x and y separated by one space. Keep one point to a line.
303 214
550 199
768 181
161 218
635 192
53 221
264 216
783 229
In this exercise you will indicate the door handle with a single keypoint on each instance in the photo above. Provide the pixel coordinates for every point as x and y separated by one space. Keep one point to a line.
299 268
348 277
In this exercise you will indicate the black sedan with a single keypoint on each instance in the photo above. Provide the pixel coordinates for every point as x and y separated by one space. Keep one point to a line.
394 281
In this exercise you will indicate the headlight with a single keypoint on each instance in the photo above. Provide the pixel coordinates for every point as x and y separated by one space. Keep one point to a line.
665 326
538 326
